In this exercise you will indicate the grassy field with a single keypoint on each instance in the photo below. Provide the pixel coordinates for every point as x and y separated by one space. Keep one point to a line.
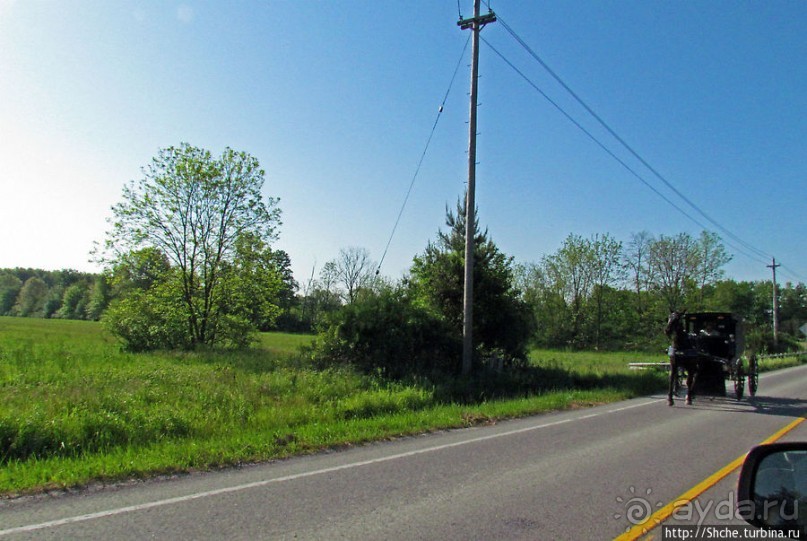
75 409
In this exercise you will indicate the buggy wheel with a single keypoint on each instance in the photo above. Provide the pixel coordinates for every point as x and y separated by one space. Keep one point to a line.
753 375
739 380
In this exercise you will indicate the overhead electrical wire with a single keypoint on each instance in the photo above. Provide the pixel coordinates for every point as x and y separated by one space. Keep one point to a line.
423 154
758 254
794 274
629 148
608 151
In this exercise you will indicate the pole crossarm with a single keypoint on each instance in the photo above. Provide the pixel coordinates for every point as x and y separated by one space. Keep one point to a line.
481 21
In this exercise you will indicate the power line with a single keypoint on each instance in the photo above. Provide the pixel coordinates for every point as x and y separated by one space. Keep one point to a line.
609 152
793 273
630 149
423 154
759 254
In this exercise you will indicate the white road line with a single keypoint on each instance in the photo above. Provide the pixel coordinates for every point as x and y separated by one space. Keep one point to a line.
266 482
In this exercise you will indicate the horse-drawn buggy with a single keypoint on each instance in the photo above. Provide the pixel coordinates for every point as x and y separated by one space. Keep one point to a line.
709 348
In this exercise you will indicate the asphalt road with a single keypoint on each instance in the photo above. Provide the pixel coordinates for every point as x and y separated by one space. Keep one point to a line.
570 475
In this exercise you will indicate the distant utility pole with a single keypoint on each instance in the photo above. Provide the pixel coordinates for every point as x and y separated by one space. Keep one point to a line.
775 305
475 23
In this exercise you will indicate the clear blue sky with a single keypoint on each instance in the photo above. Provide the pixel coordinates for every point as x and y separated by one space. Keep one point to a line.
337 99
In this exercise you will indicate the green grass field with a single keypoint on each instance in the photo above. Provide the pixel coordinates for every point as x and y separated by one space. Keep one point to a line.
75 409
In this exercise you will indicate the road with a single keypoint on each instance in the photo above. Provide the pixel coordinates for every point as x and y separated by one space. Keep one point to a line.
567 475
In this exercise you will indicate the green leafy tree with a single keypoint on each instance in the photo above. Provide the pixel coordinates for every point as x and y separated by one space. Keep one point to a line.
638 273
316 305
153 318
730 296
573 269
138 270
74 302
99 296
251 284
502 321
674 265
289 286
10 287
192 209
544 296
290 318
606 271
793 308
711 258
32 298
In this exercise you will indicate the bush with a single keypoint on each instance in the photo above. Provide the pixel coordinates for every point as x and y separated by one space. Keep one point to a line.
386 332
143 323
760 339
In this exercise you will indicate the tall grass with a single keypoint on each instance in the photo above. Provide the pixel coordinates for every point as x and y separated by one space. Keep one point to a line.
75 408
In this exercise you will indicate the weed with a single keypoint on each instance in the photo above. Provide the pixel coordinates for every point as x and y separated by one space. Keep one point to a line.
77 409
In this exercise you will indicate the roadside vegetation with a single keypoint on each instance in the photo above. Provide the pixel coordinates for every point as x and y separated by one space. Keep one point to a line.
77 409
180 373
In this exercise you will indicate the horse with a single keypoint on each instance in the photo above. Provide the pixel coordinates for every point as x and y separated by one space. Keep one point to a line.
679 342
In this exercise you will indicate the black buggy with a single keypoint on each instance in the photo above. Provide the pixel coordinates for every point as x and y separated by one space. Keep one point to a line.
715 343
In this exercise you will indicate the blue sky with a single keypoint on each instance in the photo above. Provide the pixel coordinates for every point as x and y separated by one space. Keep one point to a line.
337 100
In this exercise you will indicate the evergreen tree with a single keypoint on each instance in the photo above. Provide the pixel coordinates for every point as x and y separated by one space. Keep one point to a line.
501 320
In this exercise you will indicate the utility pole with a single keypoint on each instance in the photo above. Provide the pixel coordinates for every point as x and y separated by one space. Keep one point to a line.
475 24
775 305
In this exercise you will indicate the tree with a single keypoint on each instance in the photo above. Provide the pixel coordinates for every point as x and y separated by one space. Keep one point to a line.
148 319
192 209
316 305
674 263
290 317
289 286
635 261
351 271
605 272
576 286
10 287
544 295
502 321
99 298
138 270
711 257
572 270
792 308
731 296
74 302
251 284
32 297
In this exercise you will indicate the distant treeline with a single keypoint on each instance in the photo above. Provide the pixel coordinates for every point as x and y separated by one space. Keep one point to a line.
616 314
70 294
66 294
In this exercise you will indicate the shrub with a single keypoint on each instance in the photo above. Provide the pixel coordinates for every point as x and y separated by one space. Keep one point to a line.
386 332
143 322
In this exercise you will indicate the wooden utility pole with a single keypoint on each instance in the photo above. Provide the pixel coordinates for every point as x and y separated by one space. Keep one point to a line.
775 305
475 24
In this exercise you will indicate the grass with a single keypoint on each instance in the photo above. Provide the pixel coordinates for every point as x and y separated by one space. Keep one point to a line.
767 365
76 410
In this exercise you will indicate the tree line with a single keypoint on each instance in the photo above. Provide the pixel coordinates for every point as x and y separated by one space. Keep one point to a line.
189 262
599 292
591 293
66 294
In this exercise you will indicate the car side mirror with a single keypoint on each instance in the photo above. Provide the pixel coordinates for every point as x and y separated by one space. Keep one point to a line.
772 491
